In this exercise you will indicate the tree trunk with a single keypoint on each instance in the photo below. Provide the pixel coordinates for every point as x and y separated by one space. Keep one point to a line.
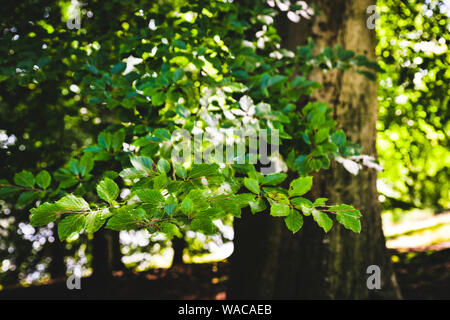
178 246
255 258
106 254
312 264
57 266
116 253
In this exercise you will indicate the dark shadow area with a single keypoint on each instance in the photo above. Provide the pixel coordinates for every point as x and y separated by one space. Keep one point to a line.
421 275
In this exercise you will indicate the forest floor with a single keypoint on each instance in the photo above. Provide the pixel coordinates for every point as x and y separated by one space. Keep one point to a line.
422 269
419 243
421 274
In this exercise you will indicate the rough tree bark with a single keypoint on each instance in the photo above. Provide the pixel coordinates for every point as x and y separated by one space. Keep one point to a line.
269 262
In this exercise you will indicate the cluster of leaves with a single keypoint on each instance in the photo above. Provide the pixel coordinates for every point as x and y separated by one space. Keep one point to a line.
289 203
196 66
165 205
413 127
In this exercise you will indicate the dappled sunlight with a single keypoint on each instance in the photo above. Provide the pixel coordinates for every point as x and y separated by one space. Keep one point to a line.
217 254
416 229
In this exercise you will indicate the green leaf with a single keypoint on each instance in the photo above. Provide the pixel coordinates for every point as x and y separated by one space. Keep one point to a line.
277 194
325 162
200 201
26 198
213 213
328 52
294 221
127 103
187 206
44 214
163 165
348 216
152 197
302 204
275 80
279 209
43 179
118 140
170 230
92 69
203 170
110 174
258 205
315 164
160 182
300 186
252 185
158 98
317 120
349 222
244 199
142 164
274 179
108 190
345 207
177 75
86 163
95 220
132 173
228 204
163 134
7 192
321 135
126 218
102 155
72 203
180 171
369 75
183 112
120 67
339 138
320 202
179 44
74 166
204 225
322 220
345 54
24 179
71 225
171 205
68 182
105 140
